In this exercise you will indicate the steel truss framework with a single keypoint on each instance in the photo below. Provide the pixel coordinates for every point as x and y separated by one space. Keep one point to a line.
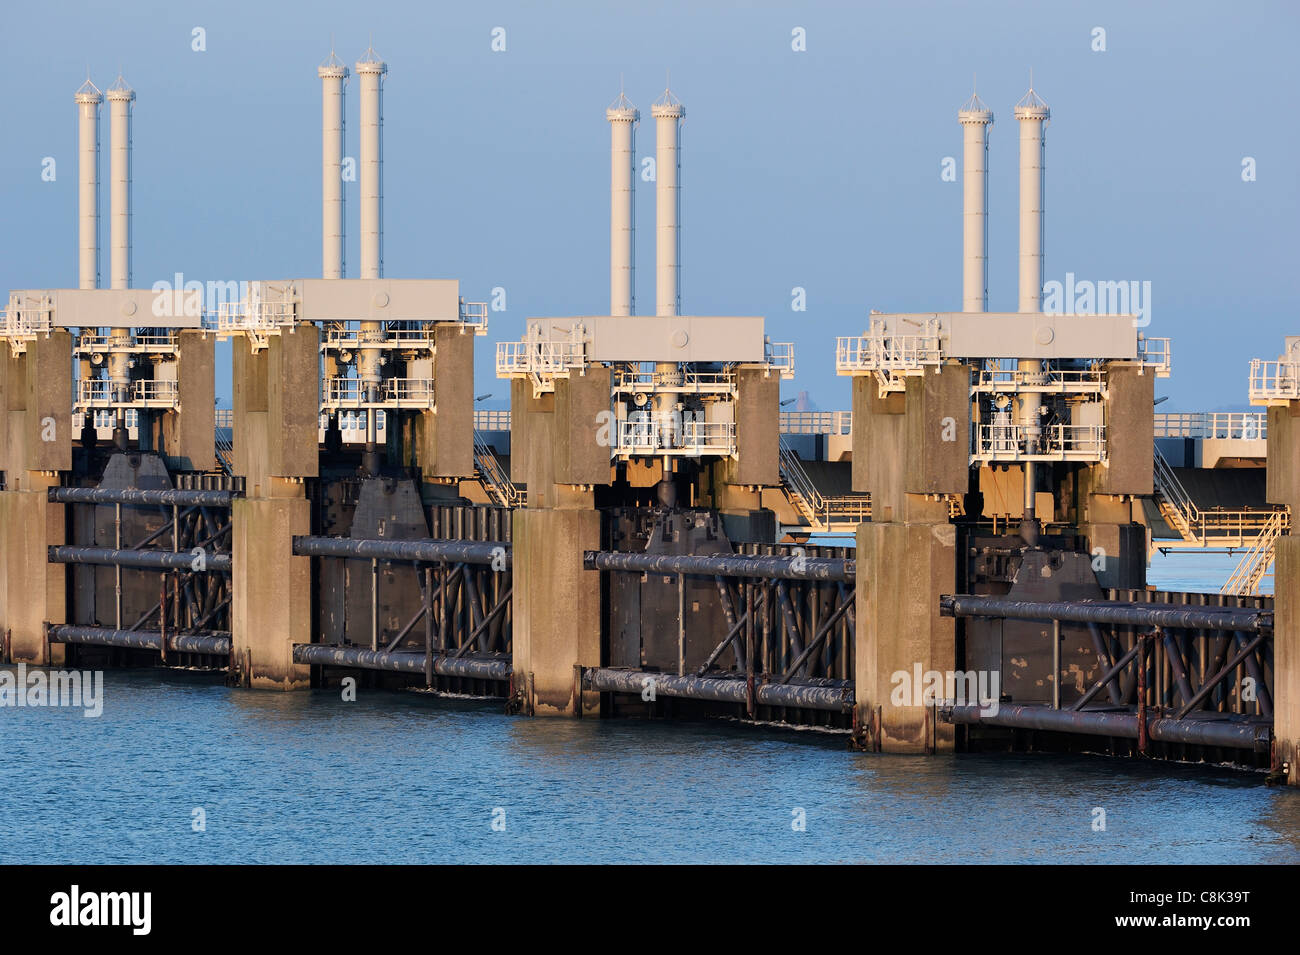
189 554
1174 670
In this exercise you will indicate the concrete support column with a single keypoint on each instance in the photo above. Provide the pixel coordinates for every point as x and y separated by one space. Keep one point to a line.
32 590
446 434
902 570
911 452
1108 490
188 433
1283 487
1286 656
556 616
277 397
271 592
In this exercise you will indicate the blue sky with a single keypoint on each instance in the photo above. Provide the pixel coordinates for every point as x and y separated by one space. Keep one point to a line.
818 169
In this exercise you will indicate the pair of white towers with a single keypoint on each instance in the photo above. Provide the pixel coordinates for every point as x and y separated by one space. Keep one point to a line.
334 75
623 118
121 99
1032 114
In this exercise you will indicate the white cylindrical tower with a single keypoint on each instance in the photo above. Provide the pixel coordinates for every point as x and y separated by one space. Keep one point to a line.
333 76
668 113
371 70
120 99
622 117
88 99
975 119
1032 114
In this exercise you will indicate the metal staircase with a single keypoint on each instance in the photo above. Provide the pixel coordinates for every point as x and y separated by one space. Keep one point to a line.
825 515
503 491
1258 559
1217 527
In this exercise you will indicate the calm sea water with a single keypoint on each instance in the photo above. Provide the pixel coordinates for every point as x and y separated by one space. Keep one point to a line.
403 777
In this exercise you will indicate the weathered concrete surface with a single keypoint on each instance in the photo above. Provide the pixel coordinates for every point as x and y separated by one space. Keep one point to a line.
276 409
912 442
32 590
446 445
582 433
1283 480
188 435
270 607
1283 487
758 411
556 609
36 405
902 569
1286 654
293 403
532 427
1130 432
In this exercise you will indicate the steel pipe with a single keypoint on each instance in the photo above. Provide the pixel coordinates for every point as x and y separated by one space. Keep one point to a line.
427 550
109 495
402 661
1225 733
217 644
836 697
1133 614
784 568
142 559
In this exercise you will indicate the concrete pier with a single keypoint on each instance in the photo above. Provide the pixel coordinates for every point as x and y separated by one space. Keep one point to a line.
277 400
1283 487
557 610
910 454
36 398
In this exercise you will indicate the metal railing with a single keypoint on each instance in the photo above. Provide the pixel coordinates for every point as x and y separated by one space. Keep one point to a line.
28 319
1058 442
256 317
539 357
1243 425
103 391
475 315
647 378
352 391
1083 380
816 422
486 420
1156 353
643 435
896 353
104 420
791 422
780 357
1274 380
